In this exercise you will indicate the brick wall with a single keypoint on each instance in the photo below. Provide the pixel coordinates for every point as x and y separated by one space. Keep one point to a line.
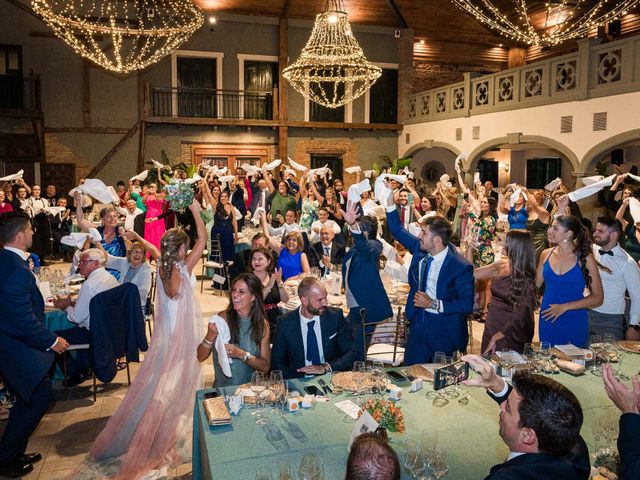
348 149
59 152
432 75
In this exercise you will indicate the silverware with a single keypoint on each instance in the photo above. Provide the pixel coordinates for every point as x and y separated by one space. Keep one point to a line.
406 374
325 387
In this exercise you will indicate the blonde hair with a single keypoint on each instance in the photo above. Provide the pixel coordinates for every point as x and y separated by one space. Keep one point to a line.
137 246
170 244
299 238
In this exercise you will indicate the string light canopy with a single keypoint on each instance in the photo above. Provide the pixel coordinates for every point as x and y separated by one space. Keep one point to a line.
547 23
332 69
121 35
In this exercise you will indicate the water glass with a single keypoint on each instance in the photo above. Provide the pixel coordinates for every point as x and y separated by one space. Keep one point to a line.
595 344
437 464
360 371
284 472
310 467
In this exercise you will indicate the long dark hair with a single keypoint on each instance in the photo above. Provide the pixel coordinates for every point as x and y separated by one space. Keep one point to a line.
220 207
493 208
257 313
519 249
581 241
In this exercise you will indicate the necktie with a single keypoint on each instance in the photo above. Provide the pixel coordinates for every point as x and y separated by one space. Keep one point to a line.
327 250
605 252
402 215
313 353
424 274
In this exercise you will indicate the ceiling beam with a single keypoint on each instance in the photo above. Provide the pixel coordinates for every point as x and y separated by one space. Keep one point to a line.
396 13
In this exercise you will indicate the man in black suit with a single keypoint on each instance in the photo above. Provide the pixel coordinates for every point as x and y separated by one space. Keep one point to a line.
241 259
540 422
326 252
26 346
628 401
315 339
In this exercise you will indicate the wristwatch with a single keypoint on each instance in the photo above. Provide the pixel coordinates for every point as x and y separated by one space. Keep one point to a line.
435 304
247 357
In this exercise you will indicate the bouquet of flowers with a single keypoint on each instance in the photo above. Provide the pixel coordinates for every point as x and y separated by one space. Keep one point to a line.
386 414
179 194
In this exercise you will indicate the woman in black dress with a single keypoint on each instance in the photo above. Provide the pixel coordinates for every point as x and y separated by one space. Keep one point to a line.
262 266
510 321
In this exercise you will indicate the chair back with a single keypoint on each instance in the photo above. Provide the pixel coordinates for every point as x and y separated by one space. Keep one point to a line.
117 329
387 339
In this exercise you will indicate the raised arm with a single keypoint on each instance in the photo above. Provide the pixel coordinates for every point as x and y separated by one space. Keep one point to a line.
313 189
193 257
269 182
273 243
620 213
83 223
151 248
463 186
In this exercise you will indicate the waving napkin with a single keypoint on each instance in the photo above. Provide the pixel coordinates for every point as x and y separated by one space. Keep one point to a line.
445 180
192 180
320 172
54 210
296 165
161 166
368 173
224 336
251 170
634 209
226 179
553 184
142 176
77 239
357 189
97 189
592 187
382 191
514 196
291 171
355 169
14 177
272 165
456 162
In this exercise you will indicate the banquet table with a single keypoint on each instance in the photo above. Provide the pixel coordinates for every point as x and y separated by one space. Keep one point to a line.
467 434
56 319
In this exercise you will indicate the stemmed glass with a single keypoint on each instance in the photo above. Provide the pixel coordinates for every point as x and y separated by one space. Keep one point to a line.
359 374
258 386
379 376
413 459
310 467
621 354
437 463
278 387
595 344
529 353
545 357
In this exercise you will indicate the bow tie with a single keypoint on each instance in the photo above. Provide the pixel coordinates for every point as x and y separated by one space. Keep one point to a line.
605 252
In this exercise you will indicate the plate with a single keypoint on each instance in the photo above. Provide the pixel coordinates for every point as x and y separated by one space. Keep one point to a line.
632 346
353 381
422 370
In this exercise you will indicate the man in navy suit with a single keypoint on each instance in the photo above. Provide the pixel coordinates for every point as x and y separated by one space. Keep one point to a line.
361 276
314 339
540 422
26 346
441 289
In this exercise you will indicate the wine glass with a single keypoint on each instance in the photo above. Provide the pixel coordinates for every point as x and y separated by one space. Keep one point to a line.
277 387
595 344
258 387
438 464
379 376
310 467
621 354
412 456
284 471
359 373
529 353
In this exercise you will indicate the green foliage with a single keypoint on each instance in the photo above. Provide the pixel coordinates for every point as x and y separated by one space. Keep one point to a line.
395 166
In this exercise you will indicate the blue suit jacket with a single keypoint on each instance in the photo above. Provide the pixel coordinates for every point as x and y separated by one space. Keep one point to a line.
24 340
338 344
628 445
455 282
364 278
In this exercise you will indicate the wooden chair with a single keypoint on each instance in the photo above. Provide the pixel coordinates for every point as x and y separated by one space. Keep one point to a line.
387 341
216 263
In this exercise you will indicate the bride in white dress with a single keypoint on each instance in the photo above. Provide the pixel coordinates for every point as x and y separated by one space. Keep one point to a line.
151 430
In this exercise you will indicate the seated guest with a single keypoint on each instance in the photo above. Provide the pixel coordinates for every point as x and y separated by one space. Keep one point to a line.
628 401
285 225
249 344
372 458
130 213
327 338
323 220
361 277
241 259
540 422
291 257
92 267
261 265
327 252
134 267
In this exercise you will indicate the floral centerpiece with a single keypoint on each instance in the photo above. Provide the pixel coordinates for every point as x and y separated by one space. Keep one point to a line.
386 414
179 194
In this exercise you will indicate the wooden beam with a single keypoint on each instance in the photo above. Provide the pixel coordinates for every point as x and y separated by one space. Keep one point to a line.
141 146
283 90
396 13
347 126
231 122
116 148
99 130
86 93
19 113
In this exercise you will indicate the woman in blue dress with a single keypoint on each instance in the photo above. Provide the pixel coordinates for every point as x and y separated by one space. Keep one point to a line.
566 270
517 214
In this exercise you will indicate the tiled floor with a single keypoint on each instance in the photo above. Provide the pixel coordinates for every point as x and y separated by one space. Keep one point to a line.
68 429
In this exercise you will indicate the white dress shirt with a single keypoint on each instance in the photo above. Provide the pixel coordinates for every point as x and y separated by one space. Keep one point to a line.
99 281
316 328
624 276
129 217
284 229
317 225
392 268
37 205
432 276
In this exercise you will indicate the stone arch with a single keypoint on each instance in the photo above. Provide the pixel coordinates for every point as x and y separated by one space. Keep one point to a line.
605 147
430 144
476 154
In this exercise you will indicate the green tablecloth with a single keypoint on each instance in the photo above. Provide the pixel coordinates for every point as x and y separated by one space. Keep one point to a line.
56 319
468 434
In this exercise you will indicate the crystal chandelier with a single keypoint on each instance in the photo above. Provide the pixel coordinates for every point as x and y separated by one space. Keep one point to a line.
332 69
546 23
121 35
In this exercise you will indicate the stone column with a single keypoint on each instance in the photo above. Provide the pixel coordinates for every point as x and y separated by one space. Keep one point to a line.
405 72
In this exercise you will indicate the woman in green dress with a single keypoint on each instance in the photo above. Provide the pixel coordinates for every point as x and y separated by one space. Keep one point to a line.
631 230
246 319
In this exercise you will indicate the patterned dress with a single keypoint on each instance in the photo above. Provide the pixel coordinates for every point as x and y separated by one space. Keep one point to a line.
309 213
482 233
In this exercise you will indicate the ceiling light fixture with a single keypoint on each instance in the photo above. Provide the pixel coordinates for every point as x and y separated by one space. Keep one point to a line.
332 69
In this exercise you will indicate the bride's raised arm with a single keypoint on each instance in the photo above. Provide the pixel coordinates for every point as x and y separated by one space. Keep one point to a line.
194 255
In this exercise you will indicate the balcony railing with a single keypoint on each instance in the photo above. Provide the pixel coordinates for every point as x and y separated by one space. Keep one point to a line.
20 93
210 103
595 70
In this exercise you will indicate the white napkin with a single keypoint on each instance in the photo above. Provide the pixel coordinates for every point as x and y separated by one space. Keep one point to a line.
357 189
414 229
223 337
11 178
291 171
553 184
355 169
234 403
368 173
251 170
54 210
320 172
591 187
382 192
514 196
255 219
97 189
77 239
445 180
159 165
194 179
634 208
476 177
456 162
272 165
630 175
591 180
225 179
296 165
142 176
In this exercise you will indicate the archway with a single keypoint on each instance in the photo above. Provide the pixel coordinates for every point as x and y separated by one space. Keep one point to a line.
431 163
628 141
